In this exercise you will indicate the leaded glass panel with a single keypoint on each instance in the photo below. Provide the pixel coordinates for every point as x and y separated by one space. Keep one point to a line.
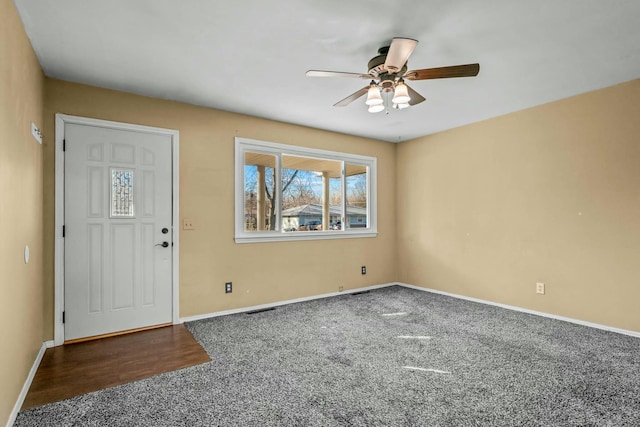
122 193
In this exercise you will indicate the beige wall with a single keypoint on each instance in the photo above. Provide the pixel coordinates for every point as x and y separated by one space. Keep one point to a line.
260 272
21 291
550 194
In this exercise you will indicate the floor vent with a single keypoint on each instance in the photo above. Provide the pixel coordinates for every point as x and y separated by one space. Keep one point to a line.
261 311
360 293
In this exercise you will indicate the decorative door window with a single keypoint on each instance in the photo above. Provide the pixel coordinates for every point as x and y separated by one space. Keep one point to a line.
122 193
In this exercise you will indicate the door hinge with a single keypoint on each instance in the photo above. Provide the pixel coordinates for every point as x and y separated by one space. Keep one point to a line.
63 319
63 231
64 145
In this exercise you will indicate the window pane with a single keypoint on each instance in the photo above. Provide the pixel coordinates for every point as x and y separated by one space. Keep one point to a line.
306 184
357 200
259 192
122 193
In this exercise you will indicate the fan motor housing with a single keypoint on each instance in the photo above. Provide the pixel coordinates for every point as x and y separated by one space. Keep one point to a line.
376 64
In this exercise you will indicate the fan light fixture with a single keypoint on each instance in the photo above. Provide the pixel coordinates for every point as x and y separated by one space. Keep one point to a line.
401 94
400 98
373 96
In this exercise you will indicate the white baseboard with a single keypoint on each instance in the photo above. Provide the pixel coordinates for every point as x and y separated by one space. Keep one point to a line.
525 310
276 304
27 382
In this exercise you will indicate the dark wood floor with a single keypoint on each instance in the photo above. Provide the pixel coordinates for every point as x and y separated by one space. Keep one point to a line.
74 369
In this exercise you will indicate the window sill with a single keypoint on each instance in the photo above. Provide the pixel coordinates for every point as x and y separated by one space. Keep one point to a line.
305 235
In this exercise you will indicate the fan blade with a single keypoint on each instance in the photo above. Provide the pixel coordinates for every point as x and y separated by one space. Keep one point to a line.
349 99
468 70
320 73
416 98
399 53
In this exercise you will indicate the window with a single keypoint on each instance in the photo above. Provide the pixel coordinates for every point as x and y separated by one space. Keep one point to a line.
285 192
121 193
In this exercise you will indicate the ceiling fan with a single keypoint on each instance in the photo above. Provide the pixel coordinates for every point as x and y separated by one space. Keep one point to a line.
387 73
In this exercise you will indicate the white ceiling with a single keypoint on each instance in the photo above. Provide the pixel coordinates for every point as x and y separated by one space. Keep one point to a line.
251 56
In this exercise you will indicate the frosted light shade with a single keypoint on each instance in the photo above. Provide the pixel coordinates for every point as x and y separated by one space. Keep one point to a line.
400 94
376 108
373 96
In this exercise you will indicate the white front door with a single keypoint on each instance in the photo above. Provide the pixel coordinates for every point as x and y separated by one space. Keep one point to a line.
117 244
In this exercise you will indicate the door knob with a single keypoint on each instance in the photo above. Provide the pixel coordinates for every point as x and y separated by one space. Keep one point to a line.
163 244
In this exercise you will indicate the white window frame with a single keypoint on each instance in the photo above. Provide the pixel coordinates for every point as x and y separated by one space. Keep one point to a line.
243 145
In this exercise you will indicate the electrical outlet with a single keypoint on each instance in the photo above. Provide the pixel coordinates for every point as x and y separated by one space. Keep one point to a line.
364 269
228 287
187 224
540 288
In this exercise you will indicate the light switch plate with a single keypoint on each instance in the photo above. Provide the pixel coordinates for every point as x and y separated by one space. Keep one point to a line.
36 133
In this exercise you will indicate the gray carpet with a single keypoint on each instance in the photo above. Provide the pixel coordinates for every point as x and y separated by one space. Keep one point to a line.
390 357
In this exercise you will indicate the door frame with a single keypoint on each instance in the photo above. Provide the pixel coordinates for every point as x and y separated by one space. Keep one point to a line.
61 121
